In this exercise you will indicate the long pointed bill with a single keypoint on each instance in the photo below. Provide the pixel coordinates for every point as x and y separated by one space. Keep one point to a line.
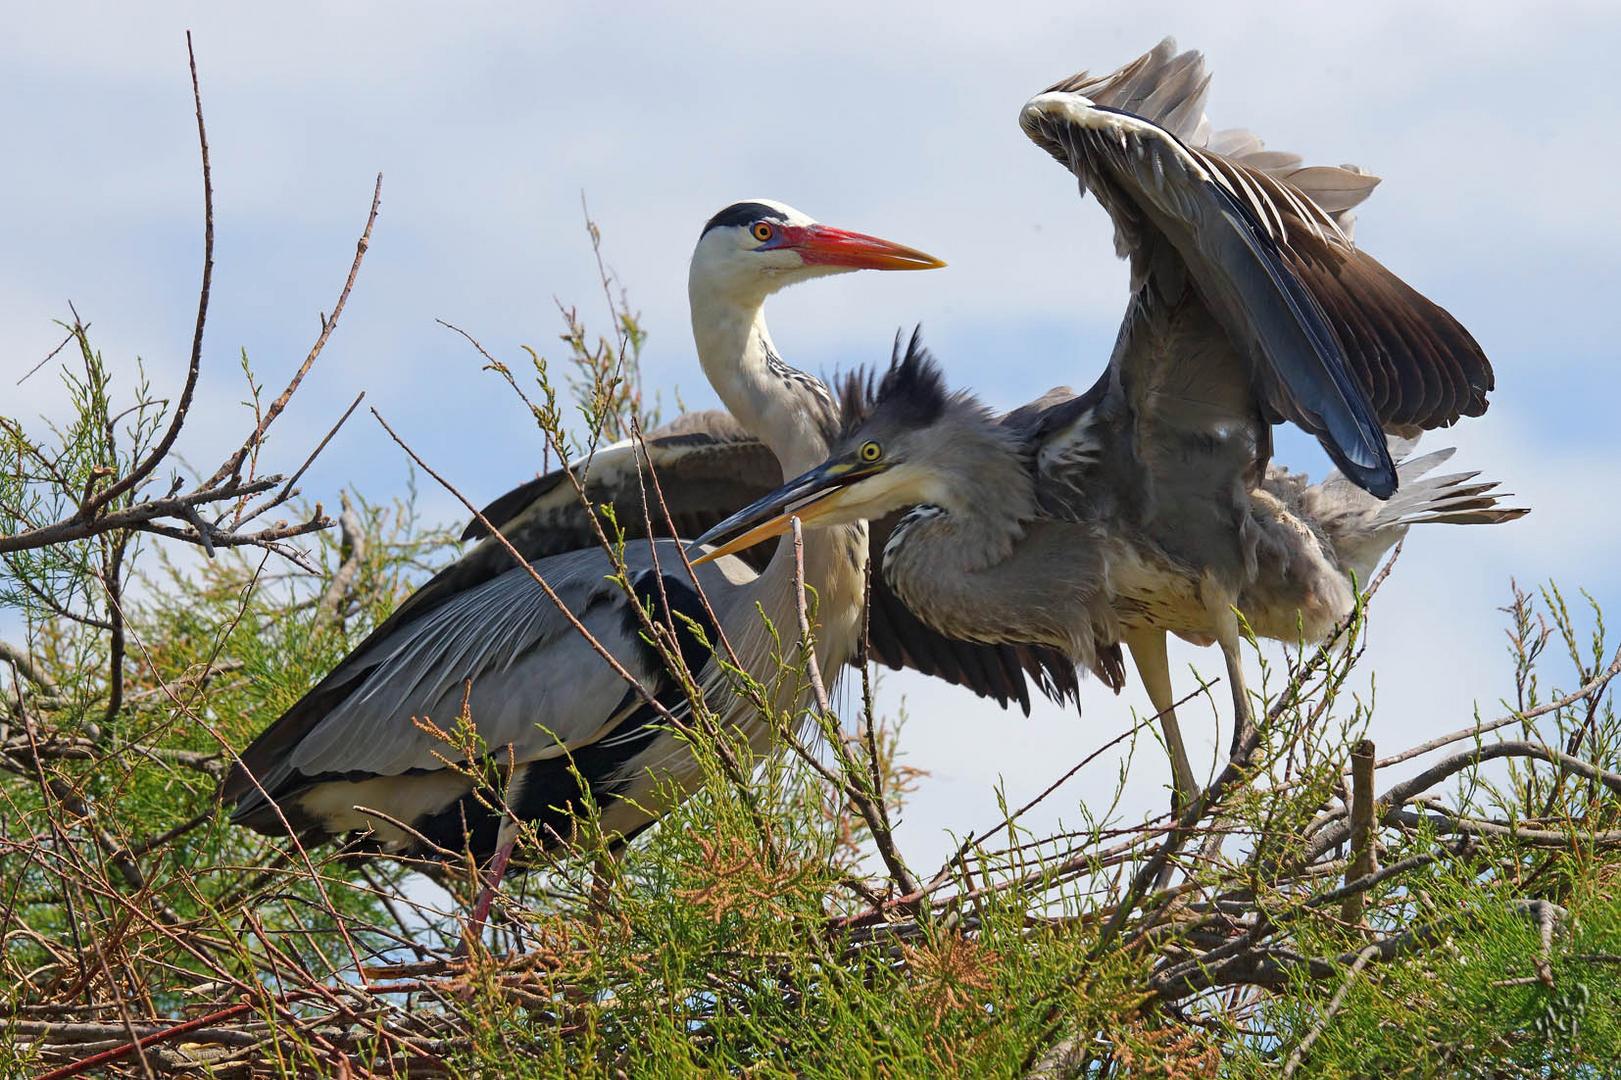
823 245
807 497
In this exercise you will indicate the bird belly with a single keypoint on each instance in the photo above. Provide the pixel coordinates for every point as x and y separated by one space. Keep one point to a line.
1150 592
1298 592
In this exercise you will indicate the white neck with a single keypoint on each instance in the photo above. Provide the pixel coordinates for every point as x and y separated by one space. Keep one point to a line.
786 413
734 347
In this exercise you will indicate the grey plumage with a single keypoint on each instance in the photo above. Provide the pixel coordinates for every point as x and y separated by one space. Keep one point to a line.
1149 505
353 741
1336 343
1023 527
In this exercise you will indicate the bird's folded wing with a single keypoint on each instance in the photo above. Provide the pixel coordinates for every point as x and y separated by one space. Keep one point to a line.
707 466
897 638
499 651
1339 345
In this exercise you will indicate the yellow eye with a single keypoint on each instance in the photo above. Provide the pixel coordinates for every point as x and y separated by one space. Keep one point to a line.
870 452
762 231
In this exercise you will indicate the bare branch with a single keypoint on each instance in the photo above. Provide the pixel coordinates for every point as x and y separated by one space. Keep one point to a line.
328 324
23 664
343 582
160 451
1364 861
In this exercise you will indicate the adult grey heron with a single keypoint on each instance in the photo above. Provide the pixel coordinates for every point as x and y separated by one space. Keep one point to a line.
1250 305
349 758
1014 535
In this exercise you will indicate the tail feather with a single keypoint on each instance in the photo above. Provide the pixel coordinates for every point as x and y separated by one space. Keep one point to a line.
1486 515
1361 528
1450 500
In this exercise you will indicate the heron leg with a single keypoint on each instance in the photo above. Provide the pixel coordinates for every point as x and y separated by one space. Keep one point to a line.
1153 666
1219 605
492 880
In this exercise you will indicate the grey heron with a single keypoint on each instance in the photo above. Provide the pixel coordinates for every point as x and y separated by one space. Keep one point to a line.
350 758
1013 535
1250 305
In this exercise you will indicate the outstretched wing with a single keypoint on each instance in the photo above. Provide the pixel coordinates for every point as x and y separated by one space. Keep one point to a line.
708 466
1333 341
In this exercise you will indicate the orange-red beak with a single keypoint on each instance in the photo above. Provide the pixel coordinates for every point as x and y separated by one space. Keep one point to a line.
823 245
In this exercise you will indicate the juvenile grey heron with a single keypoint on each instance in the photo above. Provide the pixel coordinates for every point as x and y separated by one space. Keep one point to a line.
1250 305
1014 535
349 758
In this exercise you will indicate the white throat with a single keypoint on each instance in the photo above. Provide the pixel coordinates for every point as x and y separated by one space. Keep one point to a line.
780 405
786 409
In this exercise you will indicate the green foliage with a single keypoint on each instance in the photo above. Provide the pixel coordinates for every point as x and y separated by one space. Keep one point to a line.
769 925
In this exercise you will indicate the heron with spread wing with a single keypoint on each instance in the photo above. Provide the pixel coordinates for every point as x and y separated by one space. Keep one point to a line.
1147 505
1008 535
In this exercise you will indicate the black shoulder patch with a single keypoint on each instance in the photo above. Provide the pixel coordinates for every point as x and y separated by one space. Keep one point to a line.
687 611
743 213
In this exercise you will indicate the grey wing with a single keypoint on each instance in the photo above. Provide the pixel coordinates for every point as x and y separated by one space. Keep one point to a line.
707 467
897 638
1332 340
528 678
504 648
1078 476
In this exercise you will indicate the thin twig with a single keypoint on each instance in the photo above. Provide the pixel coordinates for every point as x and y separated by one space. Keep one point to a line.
48 356
336 595
1328 1013
328 324
156 455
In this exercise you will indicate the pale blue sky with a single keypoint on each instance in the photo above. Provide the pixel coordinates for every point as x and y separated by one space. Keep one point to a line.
1492 124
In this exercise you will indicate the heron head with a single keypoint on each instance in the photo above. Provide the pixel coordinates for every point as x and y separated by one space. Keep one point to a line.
906 440
759 246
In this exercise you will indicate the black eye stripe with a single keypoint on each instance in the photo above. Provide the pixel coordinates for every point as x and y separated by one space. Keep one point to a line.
744 214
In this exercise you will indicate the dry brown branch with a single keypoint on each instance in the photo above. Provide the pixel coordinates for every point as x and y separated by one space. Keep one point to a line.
337 591
1364 861
102 510
233 464
128 483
